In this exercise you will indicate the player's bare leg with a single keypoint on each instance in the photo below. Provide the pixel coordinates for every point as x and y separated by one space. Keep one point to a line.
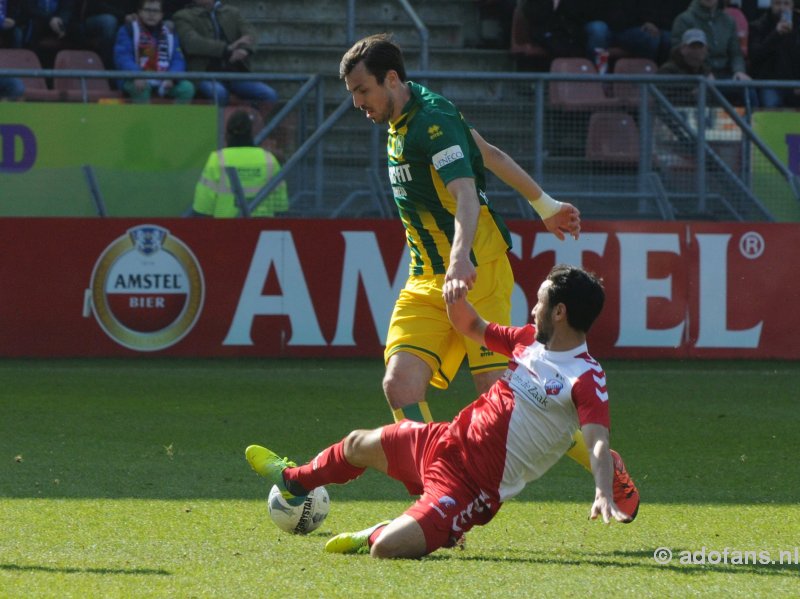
363 449
402 537
405 383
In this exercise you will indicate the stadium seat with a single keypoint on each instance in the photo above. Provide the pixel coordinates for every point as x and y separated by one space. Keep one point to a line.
742 27
575 95
628 93
83 60
612 138
35 87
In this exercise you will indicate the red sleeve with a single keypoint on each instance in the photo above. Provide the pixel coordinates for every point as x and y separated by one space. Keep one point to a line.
591 397
503 340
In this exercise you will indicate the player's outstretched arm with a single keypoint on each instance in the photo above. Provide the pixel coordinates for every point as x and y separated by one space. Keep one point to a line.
596 438
464 317
560 218
461 273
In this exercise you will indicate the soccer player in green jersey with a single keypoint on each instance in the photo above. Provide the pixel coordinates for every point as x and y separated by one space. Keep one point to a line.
437 168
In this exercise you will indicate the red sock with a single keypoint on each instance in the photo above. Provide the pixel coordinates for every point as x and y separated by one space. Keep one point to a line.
330 466
375 534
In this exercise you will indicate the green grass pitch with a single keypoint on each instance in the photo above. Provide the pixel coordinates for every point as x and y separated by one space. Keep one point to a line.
127 478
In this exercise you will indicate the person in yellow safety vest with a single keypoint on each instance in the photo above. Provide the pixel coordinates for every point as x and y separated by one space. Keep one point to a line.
214 196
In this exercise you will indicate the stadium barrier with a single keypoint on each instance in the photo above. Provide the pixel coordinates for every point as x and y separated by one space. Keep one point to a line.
649 147
325 288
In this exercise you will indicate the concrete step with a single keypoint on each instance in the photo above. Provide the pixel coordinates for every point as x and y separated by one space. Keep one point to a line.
388 12
274 31
272 58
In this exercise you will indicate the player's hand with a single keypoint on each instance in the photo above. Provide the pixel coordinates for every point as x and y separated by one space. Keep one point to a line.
605 507
565 221
651 29
57 26
458 280
238 55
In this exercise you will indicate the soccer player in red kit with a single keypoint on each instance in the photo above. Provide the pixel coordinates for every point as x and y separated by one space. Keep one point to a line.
511 435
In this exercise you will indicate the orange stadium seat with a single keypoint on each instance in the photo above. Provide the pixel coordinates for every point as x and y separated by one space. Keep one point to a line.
628 93
35 87
613 138
83 60
575 95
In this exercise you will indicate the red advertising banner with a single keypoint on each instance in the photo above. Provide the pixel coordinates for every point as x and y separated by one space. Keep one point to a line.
303 288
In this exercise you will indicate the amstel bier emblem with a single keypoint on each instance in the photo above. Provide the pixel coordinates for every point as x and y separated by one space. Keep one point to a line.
146 290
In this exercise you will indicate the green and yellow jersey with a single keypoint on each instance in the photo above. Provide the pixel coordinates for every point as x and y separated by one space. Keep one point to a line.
429 145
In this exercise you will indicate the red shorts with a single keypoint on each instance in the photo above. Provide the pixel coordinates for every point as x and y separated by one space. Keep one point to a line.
424 458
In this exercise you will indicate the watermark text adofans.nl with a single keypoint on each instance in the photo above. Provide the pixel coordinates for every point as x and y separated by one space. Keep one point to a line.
728 556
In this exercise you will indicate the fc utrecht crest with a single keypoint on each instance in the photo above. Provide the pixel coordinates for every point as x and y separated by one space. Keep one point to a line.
146 290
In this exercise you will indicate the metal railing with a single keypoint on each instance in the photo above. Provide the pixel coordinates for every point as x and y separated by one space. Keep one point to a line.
687 167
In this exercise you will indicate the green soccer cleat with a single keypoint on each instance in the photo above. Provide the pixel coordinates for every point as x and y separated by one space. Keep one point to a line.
267 464
353 542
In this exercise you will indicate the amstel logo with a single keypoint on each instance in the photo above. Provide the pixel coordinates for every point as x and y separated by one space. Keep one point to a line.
146 290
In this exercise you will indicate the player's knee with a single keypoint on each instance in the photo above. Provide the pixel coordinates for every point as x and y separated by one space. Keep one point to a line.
356 446
391 385
400 391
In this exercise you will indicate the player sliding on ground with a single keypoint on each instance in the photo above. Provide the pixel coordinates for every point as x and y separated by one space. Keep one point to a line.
465 469
437 168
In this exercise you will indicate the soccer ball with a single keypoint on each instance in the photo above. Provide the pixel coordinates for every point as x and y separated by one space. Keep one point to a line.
299 519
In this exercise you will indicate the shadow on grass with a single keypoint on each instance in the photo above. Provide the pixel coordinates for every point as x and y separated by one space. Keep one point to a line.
632 559
68 570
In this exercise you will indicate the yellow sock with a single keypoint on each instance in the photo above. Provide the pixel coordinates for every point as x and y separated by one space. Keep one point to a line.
579 452
416 411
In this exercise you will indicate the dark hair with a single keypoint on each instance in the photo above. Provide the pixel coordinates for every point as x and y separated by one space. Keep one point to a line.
380 55
239 129
140 4
580 291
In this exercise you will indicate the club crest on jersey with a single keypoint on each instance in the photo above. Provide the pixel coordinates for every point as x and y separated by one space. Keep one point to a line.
146 290
553 387
434 131
395 146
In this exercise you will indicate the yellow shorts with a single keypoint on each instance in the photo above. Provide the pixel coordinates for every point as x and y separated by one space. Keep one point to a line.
420 325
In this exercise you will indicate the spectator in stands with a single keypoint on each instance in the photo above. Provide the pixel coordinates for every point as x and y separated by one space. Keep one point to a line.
562 28
43 27
752 9
149 44
689 57
96 23
214 196
9 33
642 29
11 88
173 6
724 52
216 38
500 12
775 53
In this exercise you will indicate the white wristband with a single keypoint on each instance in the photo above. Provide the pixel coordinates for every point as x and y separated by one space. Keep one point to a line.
545 206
